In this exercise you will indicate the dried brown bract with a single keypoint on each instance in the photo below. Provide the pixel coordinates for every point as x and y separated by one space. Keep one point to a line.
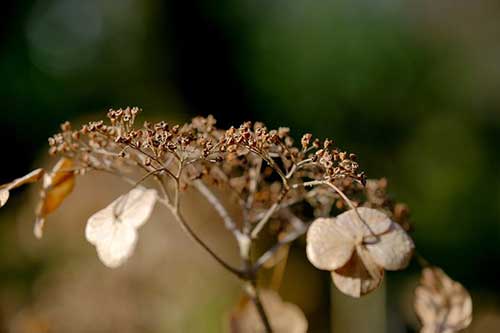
57 185
442 305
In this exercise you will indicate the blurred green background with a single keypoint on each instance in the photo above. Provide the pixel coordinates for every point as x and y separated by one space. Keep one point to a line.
411 86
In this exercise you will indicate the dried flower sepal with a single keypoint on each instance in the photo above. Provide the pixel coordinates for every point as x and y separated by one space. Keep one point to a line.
441 304
284 317
357 248
113 230
31 177
57 185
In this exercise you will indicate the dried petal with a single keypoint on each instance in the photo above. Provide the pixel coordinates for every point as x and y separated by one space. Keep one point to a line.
113 229
442 305
56 187
393 249
354 279
329 246
369 221
116 244
4 196
284 317
31 177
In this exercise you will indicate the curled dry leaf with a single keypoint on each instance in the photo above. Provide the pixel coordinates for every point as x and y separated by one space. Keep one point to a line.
442 305
284 317
31 177
113 230
357 248
57 185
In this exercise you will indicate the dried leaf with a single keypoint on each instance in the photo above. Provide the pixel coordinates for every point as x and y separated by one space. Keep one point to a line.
31 177
57 185
442 305
113 230
284 317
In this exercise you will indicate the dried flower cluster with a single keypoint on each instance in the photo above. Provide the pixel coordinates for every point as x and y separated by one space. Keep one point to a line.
284 189
443 305
357 248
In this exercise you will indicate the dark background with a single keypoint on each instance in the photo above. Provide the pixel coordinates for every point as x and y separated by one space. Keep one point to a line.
411 86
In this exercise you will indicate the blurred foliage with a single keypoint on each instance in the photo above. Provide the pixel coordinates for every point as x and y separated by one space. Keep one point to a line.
412 87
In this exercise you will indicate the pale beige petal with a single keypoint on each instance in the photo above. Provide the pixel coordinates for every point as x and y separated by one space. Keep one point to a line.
98 224
139 205
118 245
328 246
354 279
4 196
393 249
441 304
284 317
31 177
113 229
364 221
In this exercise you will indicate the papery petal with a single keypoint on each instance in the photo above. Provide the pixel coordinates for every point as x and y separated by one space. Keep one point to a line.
328 246
369 221
38 227
393 249
139 206
113 229
284 317
99 225
4 196
441 304
354 279
31 177
117 245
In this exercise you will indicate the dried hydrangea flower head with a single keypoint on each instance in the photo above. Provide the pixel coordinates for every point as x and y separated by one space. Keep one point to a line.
442 305
356 247
282 188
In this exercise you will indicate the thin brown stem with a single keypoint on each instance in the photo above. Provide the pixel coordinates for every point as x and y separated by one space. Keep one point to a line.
253 292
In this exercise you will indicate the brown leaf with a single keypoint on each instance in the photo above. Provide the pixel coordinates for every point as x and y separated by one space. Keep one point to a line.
57 185
284 317
31 177
442 305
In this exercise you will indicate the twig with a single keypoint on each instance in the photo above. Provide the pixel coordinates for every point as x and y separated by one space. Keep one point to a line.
253 293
